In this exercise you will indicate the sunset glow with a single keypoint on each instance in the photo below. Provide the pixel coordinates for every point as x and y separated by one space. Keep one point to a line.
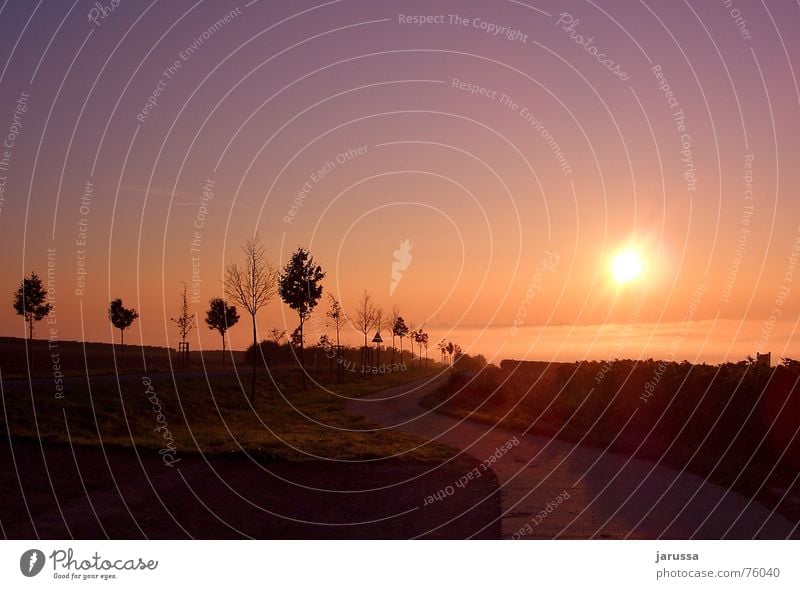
396 269
626 266
432 159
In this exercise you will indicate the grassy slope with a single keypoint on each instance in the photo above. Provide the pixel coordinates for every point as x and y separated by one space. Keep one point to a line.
214 417
718 426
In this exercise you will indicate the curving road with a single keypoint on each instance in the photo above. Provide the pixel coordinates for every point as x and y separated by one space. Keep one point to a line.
554 489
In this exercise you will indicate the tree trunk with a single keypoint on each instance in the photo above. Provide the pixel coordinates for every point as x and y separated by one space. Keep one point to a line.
339 367
302 356
29 351
364 355
223 350
253 373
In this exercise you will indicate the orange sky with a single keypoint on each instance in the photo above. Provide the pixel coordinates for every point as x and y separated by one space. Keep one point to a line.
472 180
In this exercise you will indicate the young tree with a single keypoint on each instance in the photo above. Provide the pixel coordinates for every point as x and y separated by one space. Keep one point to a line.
121 318
457 353
221 316
442 347
337 320
449 349
395 313
300 288
29 301
364 320
324 342
421 338
185 321
252 286
296 339
276 335
400 329
416 338
325 345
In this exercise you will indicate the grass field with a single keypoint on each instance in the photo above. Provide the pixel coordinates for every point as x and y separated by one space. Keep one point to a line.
77 358
191 413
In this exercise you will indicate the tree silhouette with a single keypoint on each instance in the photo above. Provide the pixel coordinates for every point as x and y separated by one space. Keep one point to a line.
421 338
299 285
392 322
276 335
121 318
185 321
29 301
442 347
400 329
324 343
252 287
450 348
296 338
221 317
457 353
364 320
336 315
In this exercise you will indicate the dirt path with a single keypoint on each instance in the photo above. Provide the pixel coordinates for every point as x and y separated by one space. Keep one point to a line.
555 489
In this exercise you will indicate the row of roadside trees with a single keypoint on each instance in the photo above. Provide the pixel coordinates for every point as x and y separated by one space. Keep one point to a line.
252 285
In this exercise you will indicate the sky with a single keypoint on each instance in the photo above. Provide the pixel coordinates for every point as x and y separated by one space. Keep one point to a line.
514 147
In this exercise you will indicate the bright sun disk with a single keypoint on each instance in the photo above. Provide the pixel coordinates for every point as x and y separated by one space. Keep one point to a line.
626 266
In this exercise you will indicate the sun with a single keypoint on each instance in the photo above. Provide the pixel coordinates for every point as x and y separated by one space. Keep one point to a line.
626 266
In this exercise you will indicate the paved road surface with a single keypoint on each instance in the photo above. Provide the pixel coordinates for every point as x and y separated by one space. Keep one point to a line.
610 496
